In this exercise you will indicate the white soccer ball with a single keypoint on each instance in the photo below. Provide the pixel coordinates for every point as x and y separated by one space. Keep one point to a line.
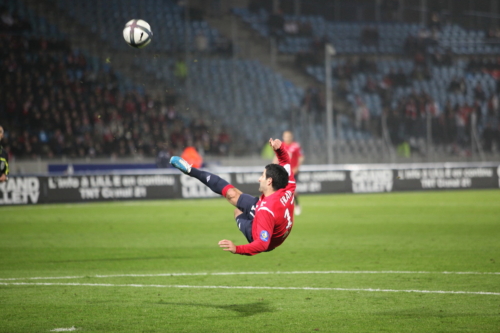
137 33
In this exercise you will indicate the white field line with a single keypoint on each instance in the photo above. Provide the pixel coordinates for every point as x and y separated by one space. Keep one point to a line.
244 273
246 287
64 329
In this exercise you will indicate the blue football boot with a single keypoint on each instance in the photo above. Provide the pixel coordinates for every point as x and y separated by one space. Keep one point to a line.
180 164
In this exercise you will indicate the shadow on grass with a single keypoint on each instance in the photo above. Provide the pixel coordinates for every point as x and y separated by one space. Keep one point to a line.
242 310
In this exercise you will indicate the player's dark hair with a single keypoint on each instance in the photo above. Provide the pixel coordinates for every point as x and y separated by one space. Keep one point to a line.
278 174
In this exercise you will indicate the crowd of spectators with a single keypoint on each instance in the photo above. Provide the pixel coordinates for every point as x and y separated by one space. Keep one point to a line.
407 118
55 104
449 124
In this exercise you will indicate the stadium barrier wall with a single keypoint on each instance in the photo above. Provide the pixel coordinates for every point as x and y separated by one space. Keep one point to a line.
169 184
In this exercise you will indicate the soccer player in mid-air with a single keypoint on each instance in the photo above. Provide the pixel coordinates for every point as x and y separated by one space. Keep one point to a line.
265 221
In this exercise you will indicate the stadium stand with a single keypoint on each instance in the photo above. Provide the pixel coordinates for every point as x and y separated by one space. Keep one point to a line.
419 74
60 102
236 89
416 70
259 91
451 92
78 107
244 87
231 90
301 33
108 18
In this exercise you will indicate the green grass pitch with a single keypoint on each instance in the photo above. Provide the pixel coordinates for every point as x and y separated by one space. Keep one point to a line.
377 248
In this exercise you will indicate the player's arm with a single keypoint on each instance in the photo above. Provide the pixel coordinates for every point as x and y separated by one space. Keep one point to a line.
284 161
275 158
262 231
281 154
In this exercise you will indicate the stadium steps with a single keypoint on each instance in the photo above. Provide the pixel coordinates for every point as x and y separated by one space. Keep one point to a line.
251 46
80 37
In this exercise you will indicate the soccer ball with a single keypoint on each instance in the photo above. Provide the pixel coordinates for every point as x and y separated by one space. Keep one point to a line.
137 33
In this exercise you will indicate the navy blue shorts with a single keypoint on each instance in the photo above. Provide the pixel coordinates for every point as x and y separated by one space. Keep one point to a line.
246 203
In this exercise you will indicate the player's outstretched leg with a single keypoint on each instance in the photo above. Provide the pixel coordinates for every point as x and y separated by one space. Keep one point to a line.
214 182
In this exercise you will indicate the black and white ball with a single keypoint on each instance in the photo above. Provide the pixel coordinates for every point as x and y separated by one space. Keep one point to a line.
137 33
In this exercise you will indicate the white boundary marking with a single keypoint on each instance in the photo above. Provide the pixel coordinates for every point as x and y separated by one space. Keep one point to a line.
64 329
244 273
246 287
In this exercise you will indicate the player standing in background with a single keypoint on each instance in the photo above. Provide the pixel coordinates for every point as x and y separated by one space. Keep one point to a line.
4 160
296 159
266 221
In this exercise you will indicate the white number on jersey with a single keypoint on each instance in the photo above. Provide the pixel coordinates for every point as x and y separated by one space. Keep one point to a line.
289 219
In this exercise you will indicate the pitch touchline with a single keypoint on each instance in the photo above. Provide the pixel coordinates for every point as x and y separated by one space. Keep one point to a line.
244 287
244 273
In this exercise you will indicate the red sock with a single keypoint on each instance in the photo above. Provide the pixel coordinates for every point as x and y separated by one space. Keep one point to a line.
225 189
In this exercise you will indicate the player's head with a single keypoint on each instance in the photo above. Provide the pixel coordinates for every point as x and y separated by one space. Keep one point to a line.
287 137
273 178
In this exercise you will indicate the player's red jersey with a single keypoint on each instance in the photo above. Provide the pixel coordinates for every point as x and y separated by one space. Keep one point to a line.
273 215
295 152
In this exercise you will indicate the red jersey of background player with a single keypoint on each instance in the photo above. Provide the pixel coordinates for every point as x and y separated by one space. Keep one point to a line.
295 152
273 214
